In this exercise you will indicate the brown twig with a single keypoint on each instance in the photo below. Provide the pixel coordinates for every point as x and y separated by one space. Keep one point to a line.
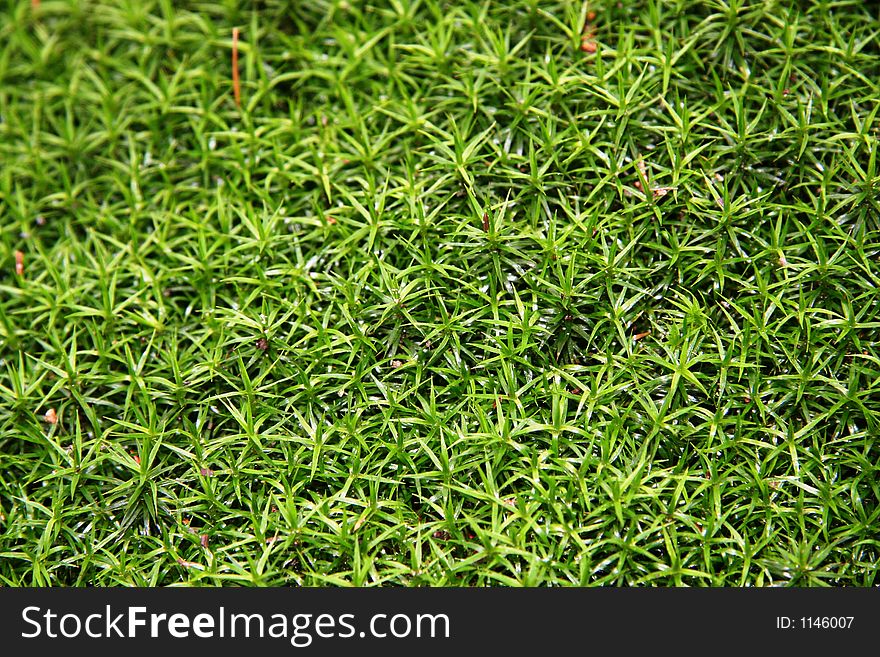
236 84
19 263
656 192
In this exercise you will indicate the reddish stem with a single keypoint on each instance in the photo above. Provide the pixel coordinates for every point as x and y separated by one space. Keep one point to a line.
236 85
